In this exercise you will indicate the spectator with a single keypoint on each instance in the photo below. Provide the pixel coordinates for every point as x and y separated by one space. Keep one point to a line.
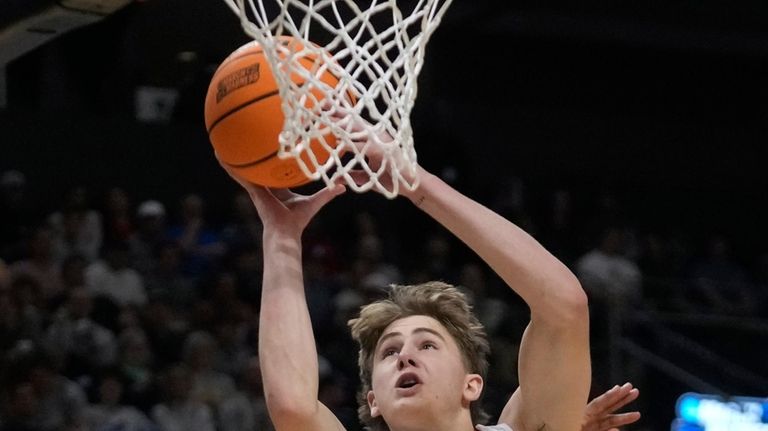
40 264
612 282
246 263
76 340
179 411
149 234
166 282
28 308
559 234
202 245
136 364
222 296
244 228
606 273
336 393
55 402
661 267
232 335
497 316
246 410
438 258
72 276
719 283
114 279
322 283
208 384
77 228
109 412
492 311
166 331
370 269
20 407
117 216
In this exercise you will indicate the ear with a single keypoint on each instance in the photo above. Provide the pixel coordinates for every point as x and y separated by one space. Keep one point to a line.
473 387
372 404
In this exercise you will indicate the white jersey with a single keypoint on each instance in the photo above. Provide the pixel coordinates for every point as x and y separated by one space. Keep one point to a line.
499 427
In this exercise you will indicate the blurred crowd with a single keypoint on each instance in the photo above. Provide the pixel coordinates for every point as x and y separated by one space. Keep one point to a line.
118 313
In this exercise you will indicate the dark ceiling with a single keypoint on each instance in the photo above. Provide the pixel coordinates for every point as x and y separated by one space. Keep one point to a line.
662 90
535 50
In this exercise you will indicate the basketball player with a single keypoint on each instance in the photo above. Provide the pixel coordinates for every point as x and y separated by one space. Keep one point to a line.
422 352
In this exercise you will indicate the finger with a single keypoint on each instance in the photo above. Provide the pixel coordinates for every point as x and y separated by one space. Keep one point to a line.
619 420
335 110
343 117
605 400
327 105
359 177
617 397
627 398
626 386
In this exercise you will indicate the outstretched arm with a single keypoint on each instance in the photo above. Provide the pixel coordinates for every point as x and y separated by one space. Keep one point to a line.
554 353
554 365
287 352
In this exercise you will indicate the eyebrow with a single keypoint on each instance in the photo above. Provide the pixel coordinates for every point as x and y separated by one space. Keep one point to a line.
415 331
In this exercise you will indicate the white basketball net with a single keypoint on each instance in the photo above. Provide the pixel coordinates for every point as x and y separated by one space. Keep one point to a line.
377 51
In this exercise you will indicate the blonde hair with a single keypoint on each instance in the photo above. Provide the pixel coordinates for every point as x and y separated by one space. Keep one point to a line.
435 299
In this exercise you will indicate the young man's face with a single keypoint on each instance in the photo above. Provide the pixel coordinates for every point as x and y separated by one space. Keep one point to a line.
418 375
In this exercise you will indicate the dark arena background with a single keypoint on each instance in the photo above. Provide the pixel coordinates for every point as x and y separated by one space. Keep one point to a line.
630 138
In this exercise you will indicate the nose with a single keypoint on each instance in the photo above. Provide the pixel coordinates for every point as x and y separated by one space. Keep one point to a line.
402 363
405 360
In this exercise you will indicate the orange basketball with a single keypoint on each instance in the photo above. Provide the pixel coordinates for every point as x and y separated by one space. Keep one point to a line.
244 118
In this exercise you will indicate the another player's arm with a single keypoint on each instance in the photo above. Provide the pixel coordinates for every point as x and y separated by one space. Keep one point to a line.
554 353
287 351
601 413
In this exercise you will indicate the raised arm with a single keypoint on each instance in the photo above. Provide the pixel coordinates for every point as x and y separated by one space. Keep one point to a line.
287 352
554 365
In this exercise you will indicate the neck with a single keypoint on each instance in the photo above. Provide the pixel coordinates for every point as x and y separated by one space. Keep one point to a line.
433 427
444 424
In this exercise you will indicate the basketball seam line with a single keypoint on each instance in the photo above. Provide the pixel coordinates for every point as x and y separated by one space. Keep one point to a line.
241 106
255 162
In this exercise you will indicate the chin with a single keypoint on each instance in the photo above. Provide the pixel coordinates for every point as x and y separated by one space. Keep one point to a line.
400 421
412 411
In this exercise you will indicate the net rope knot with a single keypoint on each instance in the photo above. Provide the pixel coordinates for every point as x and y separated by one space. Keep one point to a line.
376 50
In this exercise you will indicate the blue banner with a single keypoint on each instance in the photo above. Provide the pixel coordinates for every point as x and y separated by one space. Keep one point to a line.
702 412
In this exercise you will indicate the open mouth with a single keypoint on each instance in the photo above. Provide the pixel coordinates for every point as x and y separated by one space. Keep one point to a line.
408 380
